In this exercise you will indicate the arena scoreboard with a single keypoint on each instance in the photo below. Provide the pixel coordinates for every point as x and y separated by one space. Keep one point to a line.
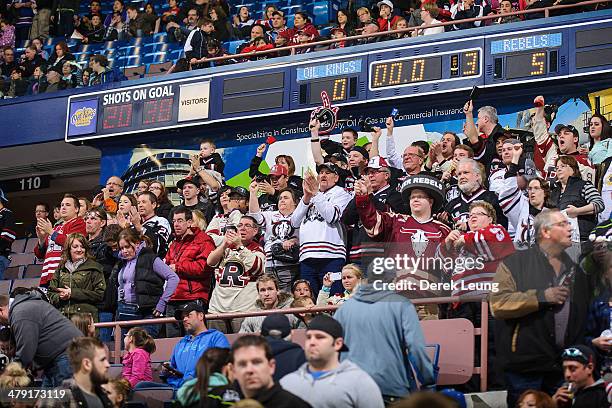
394 69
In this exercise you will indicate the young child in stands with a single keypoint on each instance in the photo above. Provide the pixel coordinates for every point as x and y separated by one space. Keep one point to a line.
139 346
118 391
303 319
304 38
209 159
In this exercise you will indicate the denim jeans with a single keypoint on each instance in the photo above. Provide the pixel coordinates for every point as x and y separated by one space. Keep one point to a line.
286 275
519 383
129 311
106 333
56 372
313 270
4 263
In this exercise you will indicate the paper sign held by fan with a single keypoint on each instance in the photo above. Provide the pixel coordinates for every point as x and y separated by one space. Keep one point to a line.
326 114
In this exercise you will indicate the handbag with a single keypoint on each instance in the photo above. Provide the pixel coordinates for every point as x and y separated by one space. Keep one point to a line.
281 254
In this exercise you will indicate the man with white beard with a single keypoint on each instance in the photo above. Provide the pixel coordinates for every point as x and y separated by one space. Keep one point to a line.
470 179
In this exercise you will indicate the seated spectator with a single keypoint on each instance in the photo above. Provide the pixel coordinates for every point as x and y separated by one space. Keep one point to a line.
505 7
527 299
136 361
301 289
318 216
537 4
78 284
351 278
281 239
95 9
102 74
344 21
324 381
118 391
117 23
9 61
150 17
145 283
467 9
187 352
239 260
71 77
36 42
338 34
85 323
278 27
214 50
242 22
31 61
7 34
87 72
256 45
145 222
179 33
303 319
212 371
223 28
429 12
270 297
400 24
37 82
53 81
196 48
289 356
61 55
164 206
85 206
579 363
172 14
534 398
301 22
51 239
187 256
257 31
18 86
252 349
369 28
268 14
303 38
365 18
386 18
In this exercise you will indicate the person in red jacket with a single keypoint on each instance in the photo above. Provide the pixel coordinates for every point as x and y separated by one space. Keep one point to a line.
51 240
386 20
300 23
187 257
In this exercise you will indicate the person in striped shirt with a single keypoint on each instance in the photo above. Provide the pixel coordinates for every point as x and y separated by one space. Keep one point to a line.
51 239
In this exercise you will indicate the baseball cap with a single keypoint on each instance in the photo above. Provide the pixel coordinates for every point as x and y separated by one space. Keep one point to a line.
278 170
377 162
386 3
561 127
241 191
361 150
579 353
329 166
338 157
276 325
188 308
3 197
337 30
328 325
195 180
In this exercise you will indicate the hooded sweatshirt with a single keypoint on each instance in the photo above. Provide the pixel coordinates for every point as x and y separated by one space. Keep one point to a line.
289 356
347 386
41 332
394 332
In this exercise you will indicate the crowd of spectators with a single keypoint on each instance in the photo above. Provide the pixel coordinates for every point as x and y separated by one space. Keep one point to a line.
202 27
536 214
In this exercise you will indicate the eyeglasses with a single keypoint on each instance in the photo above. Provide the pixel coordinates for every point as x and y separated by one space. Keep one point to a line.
413 155
479 214
560 224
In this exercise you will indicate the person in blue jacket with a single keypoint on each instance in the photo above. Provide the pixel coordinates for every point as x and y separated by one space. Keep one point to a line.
187 352
102 74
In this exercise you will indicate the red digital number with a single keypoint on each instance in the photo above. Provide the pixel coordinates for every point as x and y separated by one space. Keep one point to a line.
157 111
117 116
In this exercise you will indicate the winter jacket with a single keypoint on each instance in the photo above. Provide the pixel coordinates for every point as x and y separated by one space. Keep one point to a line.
164 210
253 324
189 254
188 351
41 332
196 45
137 366
76 397
594 395
28 66
185 397
277 397
7 231
289 356
109 75
346 386
291 34
87 287
393 342
525 326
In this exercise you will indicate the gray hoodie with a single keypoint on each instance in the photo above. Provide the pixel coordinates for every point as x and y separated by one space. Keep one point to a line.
348 386
41 332
253 324
393 342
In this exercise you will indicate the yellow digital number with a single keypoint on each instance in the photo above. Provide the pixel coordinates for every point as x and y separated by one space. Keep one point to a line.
380 75
395 73
471 63
537 63
419 65
339 93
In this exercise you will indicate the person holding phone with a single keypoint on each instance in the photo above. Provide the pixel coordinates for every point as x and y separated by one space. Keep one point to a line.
350 276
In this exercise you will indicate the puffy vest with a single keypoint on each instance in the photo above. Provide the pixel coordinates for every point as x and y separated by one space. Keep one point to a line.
148 286
573 196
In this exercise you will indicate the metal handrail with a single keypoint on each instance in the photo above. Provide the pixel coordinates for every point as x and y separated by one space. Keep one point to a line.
545 10
483 333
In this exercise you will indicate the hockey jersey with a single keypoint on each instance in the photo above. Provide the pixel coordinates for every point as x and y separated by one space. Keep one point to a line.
236 290
322 233
51 251
458 208
277 229
216 227
158 230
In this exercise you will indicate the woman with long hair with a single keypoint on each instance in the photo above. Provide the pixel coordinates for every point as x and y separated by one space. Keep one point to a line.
145 283
164 206
578 199
600 134
61 55
223 28
345 21
212 372
243 22
78 284
126 203
85 323
351 279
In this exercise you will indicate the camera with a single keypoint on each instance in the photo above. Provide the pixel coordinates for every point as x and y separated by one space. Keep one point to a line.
260 178
366 127
230 228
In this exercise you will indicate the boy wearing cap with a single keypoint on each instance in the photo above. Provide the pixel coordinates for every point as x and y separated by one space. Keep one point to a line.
348 140
547 152
238 198
322 236
324 381
386 20
581 390
279 177
7 233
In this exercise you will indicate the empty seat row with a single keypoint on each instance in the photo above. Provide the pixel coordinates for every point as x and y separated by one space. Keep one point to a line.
23 272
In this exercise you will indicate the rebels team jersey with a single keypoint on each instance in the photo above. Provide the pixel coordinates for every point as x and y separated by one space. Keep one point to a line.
458 209
236 290
277 229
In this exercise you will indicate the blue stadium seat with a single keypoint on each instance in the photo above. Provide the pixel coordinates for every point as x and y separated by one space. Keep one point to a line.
233 46
130 50
249 5
22 44
110 44
129 61
160 37
291 9
290 19
176 54
137 42
155 47
155 57
325 32
91 48
321 13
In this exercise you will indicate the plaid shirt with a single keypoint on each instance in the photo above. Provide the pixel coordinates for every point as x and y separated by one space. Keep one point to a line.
76 397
